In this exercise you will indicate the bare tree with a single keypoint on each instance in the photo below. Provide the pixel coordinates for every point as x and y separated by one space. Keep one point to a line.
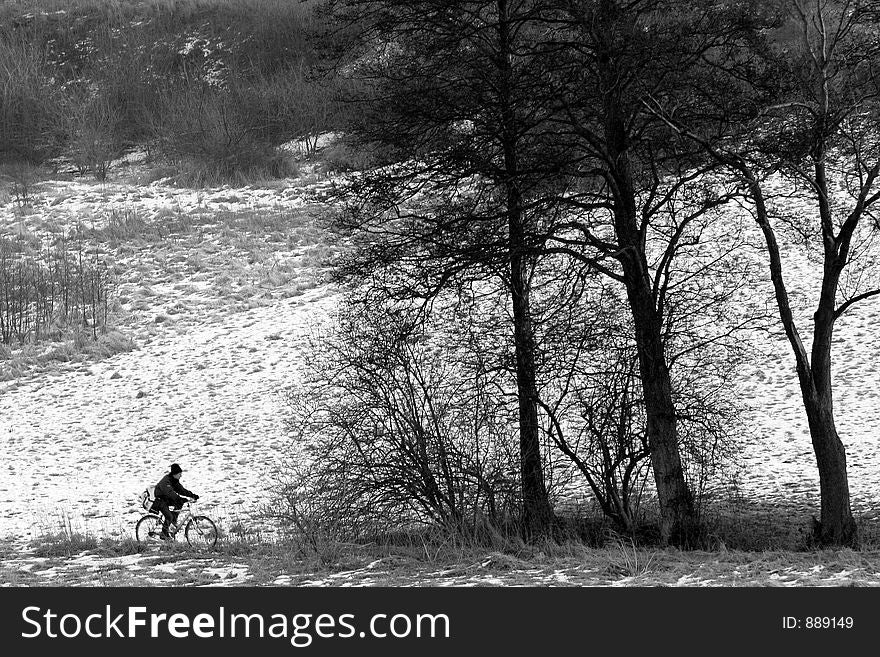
452 100
637 193
589 379
528 121
806 108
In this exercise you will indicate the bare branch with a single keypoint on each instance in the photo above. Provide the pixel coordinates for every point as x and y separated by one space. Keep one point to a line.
850 302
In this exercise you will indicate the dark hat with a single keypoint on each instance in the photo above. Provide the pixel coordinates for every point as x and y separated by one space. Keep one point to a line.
175 468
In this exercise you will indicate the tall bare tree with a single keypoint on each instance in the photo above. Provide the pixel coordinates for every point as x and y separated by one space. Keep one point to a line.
807 108
638 191
450 98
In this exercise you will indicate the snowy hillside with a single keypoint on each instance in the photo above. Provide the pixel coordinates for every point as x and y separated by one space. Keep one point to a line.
219 290
218 311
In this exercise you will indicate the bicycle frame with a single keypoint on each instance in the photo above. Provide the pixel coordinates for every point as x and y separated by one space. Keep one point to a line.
183 516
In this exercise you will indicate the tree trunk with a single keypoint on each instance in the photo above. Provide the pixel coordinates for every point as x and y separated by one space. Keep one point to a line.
537 514
678 523
836 524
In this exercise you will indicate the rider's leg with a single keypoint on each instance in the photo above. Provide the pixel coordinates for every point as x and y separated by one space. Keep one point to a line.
175 512
162 507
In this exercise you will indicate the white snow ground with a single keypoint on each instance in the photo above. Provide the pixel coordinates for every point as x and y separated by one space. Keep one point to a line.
79 441
204 388
83 444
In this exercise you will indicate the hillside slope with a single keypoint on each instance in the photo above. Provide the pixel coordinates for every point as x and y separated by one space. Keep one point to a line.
219 291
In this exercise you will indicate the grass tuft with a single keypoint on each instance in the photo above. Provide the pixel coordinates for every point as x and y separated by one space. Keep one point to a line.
63 544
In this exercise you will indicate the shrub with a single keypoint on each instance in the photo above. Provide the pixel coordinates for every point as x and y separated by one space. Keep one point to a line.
217 83
209 135
342 157
31 101
401 428
64 544
43 292
592 395
93 123
283 106
21 176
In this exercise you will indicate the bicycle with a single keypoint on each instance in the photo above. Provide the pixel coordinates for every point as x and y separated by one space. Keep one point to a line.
199 530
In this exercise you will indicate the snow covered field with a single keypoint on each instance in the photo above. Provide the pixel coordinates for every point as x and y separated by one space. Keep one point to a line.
219 327
219 290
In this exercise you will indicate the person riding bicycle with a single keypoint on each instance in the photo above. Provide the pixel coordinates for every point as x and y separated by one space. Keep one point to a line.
168 494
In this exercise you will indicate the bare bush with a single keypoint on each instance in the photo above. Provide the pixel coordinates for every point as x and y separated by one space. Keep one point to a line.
45 292
30 101
217 86
21 176
209 134
93 124
592 395
605 439
289 104
398 427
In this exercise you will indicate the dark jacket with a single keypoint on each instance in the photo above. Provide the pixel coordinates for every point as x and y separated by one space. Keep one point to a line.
170 490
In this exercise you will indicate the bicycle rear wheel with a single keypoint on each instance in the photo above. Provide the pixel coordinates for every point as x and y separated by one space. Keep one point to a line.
148 529
201 532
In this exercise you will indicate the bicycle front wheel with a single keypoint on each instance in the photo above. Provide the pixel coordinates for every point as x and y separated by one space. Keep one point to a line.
201 532
148 529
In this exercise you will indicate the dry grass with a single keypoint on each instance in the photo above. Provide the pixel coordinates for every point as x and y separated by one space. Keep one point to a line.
63 544
79 347
427 559
240 259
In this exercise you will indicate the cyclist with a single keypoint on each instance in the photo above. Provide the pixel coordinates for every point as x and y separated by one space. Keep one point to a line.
168 494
